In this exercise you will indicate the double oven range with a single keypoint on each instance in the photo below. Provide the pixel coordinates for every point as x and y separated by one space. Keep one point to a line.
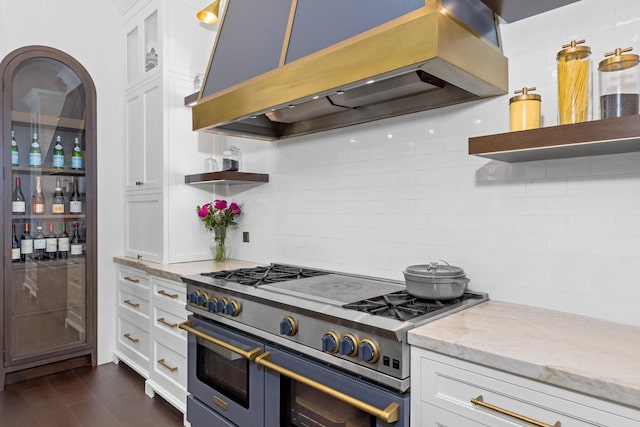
282 345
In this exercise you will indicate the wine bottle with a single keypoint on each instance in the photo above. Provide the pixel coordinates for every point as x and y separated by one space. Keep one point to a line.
39 243
18 203
76 242
57 204
51 244
37 201
26 245
75 202
15 155
15 245
35 156
76 156
63 243
58 154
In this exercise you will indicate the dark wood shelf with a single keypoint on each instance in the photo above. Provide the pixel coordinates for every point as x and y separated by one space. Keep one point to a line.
47 121
190 100
47 171
609 136
226 177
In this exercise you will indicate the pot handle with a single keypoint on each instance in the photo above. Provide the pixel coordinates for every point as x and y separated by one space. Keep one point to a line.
433 265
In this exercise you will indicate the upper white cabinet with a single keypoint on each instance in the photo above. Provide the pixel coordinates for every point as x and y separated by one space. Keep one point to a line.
166 47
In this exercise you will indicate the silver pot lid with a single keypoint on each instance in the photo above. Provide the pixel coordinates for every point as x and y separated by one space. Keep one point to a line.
436 270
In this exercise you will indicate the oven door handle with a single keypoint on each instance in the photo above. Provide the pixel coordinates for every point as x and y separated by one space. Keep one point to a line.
250 355
389 414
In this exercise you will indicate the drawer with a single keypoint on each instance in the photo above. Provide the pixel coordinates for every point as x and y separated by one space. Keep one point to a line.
133 300
169 291
166 321
133 277
453 387
133 341
169 365
432 416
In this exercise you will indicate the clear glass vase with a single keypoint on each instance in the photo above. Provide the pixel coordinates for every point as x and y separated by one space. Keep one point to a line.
219 238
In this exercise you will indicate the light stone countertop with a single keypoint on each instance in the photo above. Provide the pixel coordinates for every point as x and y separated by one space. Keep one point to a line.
176 271
583 354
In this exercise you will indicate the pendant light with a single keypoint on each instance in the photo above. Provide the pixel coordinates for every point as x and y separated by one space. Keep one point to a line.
209 15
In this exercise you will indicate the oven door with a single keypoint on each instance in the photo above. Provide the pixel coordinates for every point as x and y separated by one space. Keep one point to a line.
222 374
306 393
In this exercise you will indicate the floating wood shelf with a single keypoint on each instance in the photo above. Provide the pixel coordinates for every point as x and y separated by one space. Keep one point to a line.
190 100
609 136
226 177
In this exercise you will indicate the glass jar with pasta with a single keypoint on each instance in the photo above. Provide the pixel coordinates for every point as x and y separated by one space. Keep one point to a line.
574 83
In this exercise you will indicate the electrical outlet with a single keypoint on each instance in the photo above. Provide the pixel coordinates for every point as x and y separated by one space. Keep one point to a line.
245 236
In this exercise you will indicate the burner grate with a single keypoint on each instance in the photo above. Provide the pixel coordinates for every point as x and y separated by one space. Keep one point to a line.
401 305
257 276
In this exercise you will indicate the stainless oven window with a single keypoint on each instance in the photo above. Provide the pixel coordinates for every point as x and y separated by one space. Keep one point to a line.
223 370
304 406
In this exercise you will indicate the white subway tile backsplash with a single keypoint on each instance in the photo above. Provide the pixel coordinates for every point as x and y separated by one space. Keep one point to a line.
373 198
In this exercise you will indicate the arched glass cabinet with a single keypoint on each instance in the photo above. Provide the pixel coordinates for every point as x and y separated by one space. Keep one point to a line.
49 214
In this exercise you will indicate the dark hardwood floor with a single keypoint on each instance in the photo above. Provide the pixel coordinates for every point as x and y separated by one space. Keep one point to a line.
104 396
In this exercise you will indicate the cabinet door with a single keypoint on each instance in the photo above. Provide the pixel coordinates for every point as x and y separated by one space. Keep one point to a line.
48 105
144 226
144 143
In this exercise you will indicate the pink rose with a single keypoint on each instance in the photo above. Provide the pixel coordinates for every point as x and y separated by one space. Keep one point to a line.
204 210
235 209
220 204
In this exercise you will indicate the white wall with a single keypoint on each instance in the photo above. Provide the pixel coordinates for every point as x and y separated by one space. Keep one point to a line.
374 198
90 32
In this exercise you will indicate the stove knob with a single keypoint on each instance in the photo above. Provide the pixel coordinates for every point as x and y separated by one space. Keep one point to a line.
348 345
220 305
193 297
202 299
232 308
330 342
212 305
288 326
368 351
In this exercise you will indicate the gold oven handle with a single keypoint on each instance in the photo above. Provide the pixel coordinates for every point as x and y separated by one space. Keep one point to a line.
389 414
250 355
480 402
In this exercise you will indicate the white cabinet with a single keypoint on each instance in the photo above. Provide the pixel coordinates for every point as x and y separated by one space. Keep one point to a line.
143 141
166 47
149 310
442 390
168 370
133 339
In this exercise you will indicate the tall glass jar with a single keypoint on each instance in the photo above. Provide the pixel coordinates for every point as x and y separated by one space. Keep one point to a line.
524 110
619 77
574 83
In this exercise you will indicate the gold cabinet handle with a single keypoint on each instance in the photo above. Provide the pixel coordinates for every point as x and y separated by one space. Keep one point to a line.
389 414
164 322
131 279
164 364
128 336
167 294
250 355
132 304
480 402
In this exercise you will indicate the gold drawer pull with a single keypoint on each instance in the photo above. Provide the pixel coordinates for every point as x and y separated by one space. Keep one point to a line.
128 336
166 294
480 402
171 368
132 304
131 279
164 322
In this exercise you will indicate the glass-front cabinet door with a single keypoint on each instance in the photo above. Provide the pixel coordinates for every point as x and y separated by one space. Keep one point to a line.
48 117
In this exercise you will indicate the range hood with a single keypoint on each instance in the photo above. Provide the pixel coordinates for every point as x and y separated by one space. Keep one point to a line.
429 54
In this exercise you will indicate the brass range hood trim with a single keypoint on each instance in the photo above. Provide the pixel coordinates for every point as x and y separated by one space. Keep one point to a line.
426 39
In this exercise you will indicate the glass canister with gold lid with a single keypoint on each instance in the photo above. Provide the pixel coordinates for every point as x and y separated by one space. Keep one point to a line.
524 110
619 77
574 82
